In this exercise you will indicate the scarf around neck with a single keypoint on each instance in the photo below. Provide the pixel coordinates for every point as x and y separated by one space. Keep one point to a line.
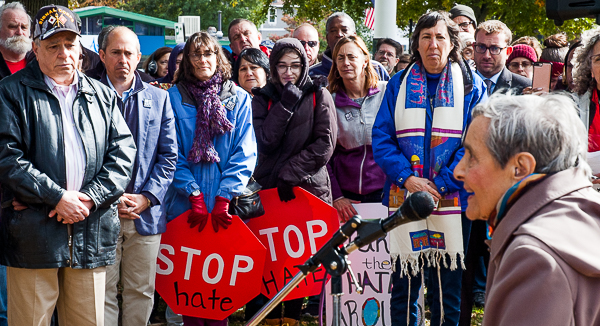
211 118
510 197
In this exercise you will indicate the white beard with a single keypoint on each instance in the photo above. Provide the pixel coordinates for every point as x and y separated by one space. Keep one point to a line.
19 44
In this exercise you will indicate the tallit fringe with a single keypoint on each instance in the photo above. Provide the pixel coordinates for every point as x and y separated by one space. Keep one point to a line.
434 257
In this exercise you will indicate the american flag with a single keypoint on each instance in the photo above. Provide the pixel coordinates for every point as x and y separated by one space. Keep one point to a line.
369 17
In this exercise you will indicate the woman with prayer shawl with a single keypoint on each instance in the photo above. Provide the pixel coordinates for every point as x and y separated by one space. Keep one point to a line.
417 142
217 147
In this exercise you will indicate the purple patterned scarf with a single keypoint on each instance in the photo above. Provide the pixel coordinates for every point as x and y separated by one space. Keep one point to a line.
211 119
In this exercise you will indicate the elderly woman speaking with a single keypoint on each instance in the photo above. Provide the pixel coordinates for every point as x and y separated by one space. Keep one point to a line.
417 142
525 164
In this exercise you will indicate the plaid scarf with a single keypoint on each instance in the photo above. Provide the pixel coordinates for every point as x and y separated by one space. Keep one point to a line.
211 118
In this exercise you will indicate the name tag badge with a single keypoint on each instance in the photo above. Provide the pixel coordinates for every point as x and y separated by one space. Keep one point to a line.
147 103
348 116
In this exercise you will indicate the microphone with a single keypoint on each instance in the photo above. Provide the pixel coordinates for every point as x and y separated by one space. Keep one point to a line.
417 206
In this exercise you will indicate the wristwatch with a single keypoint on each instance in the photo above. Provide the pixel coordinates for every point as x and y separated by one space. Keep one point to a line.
149 202
196 193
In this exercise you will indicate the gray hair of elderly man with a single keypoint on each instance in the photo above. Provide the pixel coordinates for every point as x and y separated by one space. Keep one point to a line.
548 127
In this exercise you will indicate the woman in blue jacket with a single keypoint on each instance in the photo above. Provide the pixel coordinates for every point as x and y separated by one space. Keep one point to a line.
417 142
217 146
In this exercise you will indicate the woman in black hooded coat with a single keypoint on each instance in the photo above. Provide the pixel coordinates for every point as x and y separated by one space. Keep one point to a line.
295 124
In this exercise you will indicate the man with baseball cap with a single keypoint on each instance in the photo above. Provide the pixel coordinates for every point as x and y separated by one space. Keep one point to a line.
66 156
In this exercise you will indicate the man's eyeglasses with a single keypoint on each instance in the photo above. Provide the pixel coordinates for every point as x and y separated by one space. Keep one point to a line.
312 44
516 65
482 48
466 24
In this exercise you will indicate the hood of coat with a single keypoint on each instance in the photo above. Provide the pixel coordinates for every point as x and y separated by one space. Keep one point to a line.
562 211
172 64
277 53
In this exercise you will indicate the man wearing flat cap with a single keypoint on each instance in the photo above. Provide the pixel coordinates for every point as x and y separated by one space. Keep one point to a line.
464 17
66 156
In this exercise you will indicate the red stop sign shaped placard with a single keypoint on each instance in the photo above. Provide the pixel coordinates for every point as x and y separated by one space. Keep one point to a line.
292 232
207 274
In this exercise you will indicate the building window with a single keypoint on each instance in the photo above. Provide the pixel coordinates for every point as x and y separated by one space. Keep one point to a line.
272 15
91 25
148 30
117 21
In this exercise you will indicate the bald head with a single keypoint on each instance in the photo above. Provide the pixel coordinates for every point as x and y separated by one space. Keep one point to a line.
121 32
309 37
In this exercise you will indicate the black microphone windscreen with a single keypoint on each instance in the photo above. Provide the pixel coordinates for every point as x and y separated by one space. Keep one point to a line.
418 206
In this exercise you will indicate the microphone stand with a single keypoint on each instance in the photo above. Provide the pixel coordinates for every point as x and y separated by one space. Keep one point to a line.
333 257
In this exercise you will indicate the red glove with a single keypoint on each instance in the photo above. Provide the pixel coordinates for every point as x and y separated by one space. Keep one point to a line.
220 214
199 214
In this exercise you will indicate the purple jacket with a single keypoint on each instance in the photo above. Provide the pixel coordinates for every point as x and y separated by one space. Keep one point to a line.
352 167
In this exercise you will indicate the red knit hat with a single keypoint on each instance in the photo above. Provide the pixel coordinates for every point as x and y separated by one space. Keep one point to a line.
522 50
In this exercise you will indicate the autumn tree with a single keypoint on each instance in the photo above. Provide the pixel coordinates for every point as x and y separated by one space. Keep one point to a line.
206 9
523 17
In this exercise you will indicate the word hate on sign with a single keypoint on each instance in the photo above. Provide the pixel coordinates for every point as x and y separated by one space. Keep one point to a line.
208 274
293 232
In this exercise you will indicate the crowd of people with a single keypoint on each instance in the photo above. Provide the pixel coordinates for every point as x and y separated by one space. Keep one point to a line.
97 156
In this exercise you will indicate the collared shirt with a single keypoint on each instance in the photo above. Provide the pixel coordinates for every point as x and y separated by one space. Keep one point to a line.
125 93
75 160
493 79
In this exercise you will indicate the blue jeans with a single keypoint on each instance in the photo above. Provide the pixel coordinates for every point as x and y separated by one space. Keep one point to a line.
451 291
3 318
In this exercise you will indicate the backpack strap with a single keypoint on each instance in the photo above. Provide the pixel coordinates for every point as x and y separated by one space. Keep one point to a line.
314 100
269 105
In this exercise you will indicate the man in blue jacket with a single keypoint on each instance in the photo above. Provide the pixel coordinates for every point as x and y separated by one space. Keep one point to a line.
148 113
417 142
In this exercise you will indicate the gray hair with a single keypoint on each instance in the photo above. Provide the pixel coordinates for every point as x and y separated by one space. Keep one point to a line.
582 65
102 36
116 29
13 6
341 15
547 127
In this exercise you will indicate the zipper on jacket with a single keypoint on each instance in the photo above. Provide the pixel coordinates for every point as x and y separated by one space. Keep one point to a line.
362 163
70 232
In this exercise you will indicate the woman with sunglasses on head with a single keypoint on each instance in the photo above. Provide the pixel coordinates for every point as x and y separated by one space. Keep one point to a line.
294 121
217 147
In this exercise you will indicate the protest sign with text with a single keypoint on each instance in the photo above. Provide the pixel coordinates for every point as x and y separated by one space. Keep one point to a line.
292 232
208 274
373 269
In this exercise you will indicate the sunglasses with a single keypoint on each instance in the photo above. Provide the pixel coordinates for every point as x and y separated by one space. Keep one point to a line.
312 44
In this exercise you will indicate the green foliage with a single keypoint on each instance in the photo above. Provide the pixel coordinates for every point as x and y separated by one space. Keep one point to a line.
206 9
523 17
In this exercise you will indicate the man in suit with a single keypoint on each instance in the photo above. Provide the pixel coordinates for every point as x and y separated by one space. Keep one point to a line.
148 114
492 39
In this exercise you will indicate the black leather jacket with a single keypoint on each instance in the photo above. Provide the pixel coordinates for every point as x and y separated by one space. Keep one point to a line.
32 170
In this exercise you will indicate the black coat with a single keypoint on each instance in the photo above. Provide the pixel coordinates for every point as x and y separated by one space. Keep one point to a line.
295 144
5 72
32 170
512 81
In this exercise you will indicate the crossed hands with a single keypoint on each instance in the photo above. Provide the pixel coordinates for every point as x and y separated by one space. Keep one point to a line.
74 206
132 205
